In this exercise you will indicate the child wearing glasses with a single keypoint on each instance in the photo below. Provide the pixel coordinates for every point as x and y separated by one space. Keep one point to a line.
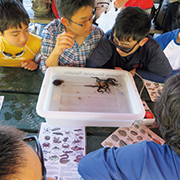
17 159
68 41
18 47
128 46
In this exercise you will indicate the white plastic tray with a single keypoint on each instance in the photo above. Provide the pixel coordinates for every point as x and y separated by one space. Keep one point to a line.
74 102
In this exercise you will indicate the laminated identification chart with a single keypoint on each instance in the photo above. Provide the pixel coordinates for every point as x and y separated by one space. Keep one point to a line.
154 89
131 135
63 148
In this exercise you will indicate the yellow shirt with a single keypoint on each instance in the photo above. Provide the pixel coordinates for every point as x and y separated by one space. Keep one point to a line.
29 51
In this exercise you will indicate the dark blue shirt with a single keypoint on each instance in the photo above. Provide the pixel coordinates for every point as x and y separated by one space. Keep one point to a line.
148 57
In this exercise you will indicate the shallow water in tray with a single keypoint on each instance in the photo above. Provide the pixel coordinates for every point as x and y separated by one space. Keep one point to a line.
84 95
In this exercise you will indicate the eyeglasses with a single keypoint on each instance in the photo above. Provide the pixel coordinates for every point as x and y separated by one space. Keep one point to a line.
38 151
11 56
84 24
123 49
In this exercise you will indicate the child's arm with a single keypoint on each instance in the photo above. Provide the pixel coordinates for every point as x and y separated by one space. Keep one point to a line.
63 41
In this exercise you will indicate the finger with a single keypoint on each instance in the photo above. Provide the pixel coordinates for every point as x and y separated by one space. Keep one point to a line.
64 44
67 37
32 67
29 64
67 34
133 72
23 64
67 46
70 36
63 47
118 68
65 40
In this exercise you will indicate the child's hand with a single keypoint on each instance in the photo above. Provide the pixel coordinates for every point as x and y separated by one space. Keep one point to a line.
63 41
29 65
132 72
118 68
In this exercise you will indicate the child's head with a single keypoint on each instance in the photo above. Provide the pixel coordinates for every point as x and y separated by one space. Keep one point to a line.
167 112
67 8
18 160
132 22
12 15
131 27
76 15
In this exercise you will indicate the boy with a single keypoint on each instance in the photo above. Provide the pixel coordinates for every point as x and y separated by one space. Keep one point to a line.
145 160
70 40
129 47
18 47
170 43
17 159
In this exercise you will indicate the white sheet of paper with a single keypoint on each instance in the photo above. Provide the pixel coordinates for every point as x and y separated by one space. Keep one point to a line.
63 147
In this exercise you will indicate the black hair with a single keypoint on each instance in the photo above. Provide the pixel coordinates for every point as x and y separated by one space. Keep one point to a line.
132 22
67 8
12 14
167 112
11 152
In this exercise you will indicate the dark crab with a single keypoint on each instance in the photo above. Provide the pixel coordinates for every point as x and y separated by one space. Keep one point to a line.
103 84
107 81
101 89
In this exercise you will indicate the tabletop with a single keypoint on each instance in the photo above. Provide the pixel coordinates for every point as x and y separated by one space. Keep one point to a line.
19 80
20 89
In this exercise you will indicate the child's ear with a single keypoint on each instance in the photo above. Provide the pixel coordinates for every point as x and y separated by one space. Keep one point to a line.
0 34
143 41
64 21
